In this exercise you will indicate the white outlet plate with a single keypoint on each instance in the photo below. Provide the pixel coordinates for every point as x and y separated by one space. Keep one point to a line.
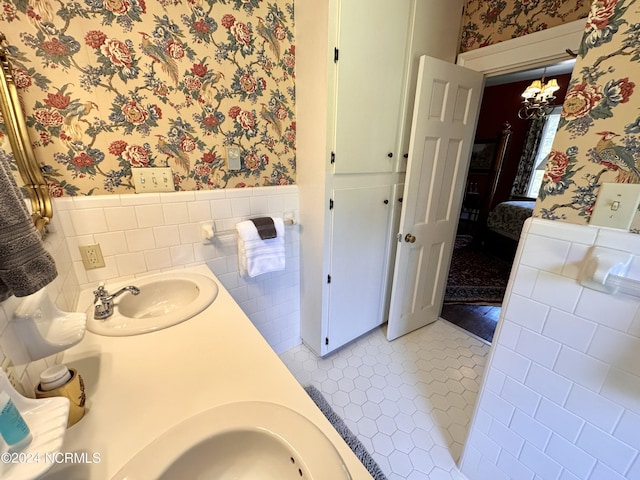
156 179
233 158
91 256
616 205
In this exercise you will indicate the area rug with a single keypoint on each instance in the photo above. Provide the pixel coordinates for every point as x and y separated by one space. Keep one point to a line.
350 439
475 276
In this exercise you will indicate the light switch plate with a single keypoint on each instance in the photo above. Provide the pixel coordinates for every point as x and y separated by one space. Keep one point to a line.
233 158
156 179
616 205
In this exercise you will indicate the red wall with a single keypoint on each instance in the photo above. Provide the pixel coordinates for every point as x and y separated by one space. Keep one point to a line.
501 103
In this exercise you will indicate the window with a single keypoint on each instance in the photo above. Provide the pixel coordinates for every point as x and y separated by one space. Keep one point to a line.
546 141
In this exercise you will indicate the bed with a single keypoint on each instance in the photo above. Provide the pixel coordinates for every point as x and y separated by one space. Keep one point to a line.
507 218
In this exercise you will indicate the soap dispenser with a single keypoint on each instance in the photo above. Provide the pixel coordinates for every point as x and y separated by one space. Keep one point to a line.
44 329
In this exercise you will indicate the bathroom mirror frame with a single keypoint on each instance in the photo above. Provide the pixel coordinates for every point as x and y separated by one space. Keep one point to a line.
16 127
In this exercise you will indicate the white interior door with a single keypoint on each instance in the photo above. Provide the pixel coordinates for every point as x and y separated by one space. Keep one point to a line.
444 120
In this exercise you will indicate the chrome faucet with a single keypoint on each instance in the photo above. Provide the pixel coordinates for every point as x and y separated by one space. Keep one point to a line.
103 302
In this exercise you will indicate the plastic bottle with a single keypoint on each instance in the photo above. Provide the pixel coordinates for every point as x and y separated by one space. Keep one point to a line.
13 428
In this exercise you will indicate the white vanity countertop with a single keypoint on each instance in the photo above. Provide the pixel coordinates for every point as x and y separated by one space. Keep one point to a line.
139 386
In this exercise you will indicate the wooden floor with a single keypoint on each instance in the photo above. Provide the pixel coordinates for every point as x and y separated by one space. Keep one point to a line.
481 320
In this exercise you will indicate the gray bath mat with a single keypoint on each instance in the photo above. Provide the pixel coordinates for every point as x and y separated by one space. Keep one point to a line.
348 436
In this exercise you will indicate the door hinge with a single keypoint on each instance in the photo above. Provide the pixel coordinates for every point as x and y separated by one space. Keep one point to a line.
330 204
333 158
328 278
399 237
326 340
335 55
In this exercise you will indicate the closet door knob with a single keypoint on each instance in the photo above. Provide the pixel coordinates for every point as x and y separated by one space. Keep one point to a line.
386 202
409 238
406 155
390 154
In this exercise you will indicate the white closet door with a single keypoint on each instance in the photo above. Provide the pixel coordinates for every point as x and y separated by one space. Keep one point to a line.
358 263
372 47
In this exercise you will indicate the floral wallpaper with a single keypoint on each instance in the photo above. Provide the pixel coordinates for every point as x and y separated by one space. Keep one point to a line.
112 85
598 138
488 22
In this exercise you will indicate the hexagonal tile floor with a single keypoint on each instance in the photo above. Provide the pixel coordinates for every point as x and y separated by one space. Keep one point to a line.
409 401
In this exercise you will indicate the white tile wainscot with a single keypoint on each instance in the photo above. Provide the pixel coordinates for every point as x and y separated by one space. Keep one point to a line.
561 399
149 233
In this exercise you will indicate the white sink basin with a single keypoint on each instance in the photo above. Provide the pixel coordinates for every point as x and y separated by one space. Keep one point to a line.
164 300
239 441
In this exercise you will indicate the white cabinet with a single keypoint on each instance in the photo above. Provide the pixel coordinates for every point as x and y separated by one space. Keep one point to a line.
356 69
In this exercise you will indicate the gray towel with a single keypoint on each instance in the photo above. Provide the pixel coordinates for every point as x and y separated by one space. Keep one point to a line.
25 266
265 226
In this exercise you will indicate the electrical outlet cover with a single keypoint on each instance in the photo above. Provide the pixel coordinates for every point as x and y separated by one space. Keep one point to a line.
616 205
91 256
233 158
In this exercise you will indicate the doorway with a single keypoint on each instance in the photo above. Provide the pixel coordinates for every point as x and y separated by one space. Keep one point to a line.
481 263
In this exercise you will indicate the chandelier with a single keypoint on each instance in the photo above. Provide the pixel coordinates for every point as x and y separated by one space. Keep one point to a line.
537 99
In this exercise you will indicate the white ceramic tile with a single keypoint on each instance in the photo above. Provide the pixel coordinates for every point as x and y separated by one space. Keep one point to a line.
556 291
190 233
580 368
241 207
211 194
539 462
538 348
140 239
221 209
573 458
176 197
120 218
524 280
175 213
507 438
96 201
623 388
599 307
111 243
628 428
133 199
526 312
569 329
575 260
131 263
616 348
149 215
517 394
157 259
513 468
563 231
560 420
602 472
510 362
618 239
240 192
199 211
89 221
259 205
593 408
531 430
544 253
182 255
549 384
166 236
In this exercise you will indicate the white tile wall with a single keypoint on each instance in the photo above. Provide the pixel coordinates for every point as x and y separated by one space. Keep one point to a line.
148 233
561 399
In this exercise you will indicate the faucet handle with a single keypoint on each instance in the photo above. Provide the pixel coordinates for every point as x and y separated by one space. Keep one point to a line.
100 292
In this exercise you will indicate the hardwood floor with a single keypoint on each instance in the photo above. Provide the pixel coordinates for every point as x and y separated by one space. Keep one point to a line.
481 320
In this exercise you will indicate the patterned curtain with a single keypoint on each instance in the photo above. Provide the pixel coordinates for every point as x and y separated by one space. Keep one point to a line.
528 157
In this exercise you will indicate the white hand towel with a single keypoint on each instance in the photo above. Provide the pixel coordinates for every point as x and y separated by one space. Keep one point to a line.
257 256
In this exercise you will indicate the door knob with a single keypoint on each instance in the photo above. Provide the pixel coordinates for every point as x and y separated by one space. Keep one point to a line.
390 154
409 238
